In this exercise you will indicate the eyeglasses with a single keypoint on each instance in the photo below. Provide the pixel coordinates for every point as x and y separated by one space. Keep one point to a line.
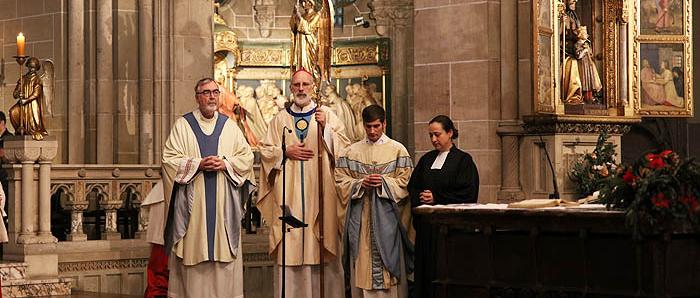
214 92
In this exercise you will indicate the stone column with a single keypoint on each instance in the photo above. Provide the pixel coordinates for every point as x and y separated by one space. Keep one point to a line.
76 83
509 128
29 198
48 153
105 83
76 222
110 207
146 58
29 191
395 20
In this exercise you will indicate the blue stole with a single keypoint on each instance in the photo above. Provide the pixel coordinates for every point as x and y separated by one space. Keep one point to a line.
301 128
208 146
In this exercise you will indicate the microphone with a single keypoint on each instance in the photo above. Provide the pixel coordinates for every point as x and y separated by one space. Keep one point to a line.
554 195
285 131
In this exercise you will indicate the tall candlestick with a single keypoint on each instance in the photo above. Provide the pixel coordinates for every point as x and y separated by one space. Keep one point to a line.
20 44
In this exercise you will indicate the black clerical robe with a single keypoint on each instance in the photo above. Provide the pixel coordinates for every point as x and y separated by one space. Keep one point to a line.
456 183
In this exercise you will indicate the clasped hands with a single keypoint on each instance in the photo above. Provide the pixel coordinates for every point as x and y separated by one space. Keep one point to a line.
372 180
426 197
212 163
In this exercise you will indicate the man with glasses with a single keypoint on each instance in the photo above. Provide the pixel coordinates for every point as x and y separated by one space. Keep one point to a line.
207 174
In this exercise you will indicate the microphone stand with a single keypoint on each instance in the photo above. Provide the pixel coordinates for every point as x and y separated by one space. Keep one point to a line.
286 214
554 195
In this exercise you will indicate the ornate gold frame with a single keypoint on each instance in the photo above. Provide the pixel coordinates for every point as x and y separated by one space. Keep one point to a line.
615 14
686 40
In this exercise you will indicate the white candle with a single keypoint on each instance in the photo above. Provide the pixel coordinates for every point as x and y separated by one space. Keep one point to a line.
20 44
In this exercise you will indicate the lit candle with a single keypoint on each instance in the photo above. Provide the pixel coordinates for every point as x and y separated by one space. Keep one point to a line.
20 44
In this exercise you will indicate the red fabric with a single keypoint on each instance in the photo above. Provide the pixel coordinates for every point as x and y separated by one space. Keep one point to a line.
157 273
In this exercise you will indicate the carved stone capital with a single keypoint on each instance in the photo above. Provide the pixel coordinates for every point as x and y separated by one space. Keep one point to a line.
111 204
48 151
264 16
79 206
388 13
23 149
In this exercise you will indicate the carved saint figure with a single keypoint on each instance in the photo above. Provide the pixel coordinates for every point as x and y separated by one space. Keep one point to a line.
359 97
571 80
311 40
253 115
27 115
268 95
304 50
343 110
590 80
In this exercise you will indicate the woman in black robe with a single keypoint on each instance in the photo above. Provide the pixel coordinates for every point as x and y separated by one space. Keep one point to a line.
443 176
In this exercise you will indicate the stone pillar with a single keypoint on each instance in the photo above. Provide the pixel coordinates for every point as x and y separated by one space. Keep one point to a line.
76 223
110 202
48 153
146 81
105 83
76 81
395 20
29 197
509 128
110 208
29 232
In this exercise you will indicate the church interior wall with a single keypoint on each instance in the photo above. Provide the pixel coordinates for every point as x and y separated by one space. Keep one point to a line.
459 76
45 21
181 46
241 16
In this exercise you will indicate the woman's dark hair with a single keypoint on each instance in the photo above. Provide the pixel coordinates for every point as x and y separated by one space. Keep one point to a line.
446 123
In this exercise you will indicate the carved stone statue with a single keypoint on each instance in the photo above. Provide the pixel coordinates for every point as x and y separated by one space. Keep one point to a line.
251 111
590 80
33 91
359 97
268 95
343 110
571 80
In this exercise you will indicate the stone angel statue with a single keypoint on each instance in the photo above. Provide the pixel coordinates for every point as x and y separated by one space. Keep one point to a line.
34 91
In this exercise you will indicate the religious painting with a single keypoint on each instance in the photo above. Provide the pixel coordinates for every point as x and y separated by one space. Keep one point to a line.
661 17
544 54
662 79
544 72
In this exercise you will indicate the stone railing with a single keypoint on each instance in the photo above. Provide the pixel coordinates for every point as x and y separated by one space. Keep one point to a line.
109 185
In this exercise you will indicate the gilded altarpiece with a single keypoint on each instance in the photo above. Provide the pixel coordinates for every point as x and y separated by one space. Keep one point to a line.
640 51
662 58
600 65
359 74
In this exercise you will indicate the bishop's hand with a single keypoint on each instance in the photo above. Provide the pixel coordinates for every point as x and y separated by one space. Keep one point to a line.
299 152
321 118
